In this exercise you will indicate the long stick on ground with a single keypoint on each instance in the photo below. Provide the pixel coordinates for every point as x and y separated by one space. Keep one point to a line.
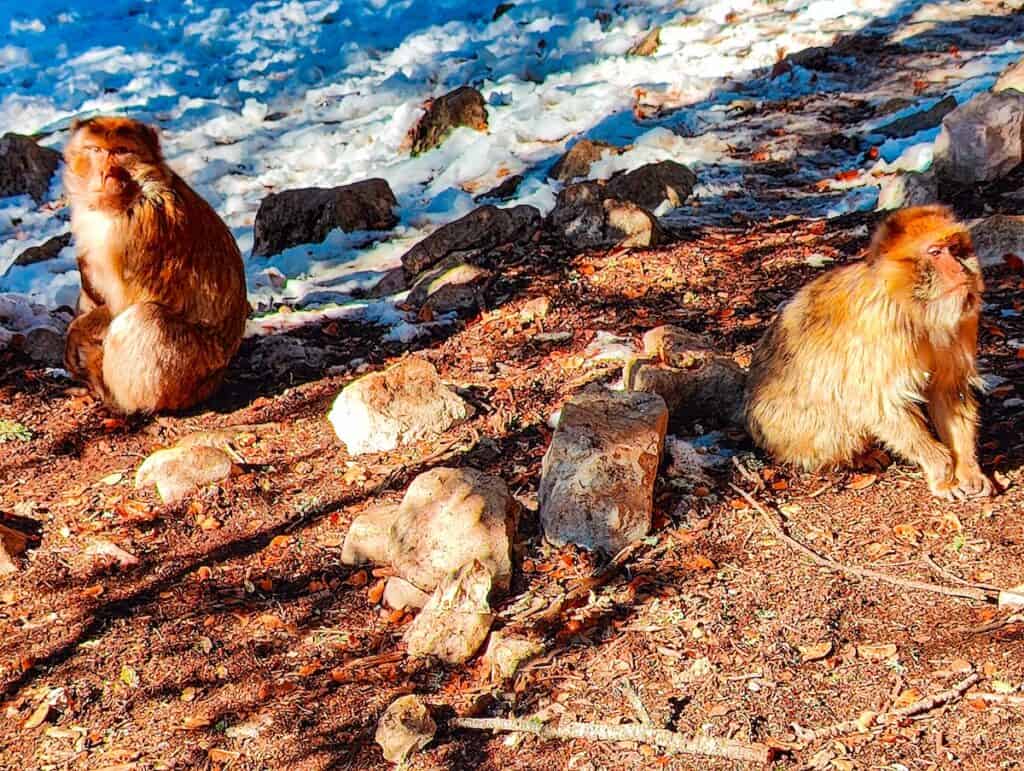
659 737
965 592
870 720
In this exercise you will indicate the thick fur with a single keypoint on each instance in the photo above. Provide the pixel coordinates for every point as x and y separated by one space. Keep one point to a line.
860 352
163 304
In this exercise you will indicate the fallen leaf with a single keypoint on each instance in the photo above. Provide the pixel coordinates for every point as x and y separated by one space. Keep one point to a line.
862 481
195 722
815 652
700 562
878 652
129 677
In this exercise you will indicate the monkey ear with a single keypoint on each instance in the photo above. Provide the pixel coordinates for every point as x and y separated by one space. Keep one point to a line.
887 233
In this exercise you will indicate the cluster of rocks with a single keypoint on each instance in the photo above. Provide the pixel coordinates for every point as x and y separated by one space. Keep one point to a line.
451 269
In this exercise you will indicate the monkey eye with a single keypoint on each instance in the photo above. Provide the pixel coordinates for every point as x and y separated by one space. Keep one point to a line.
934 251
121 151
91 148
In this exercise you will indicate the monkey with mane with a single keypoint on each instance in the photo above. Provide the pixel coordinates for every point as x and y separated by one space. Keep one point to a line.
860 353
163 304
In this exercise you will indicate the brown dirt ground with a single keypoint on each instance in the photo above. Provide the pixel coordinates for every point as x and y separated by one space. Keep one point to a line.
241 642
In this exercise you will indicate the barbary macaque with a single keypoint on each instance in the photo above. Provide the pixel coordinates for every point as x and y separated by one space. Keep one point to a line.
859 352
163 303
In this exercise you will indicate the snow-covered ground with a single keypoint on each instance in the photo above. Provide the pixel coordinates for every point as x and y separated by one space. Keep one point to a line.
254 97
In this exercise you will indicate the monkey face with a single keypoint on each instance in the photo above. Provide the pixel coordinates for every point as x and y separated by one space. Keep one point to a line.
108 161
947 268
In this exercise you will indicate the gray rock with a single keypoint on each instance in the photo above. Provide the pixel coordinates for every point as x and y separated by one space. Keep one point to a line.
450 517
597 477
45 251
369 536
919 121
45 346
654 183
462 107
981 140
483 228
179 471
1011 77
576 162
586 217
26 167
908 188
451 285
997 236
307 215
404 403
456 619
404 728
281 354
392 282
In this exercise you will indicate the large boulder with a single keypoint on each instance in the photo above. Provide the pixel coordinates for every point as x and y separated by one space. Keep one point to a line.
448 518
597 477
654 183
307 215
577 160
26 167
456 619
586 217
462 107
483 228
981 140
997 236
694 380
404 403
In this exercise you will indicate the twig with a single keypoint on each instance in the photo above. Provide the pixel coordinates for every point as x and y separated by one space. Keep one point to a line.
999 623
966 593
871 721
943 573
747 474
1001 699
712 746
634 700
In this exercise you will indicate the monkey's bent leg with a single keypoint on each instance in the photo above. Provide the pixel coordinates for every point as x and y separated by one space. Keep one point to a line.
153 361
906 432
83 350
955 415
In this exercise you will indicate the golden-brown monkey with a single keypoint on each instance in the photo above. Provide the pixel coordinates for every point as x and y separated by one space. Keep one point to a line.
163 303
859 352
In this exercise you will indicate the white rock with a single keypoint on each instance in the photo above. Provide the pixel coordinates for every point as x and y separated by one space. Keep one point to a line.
980 141
178 471
450 517
406 726
456 619
400 594
368 536
402 404
505 654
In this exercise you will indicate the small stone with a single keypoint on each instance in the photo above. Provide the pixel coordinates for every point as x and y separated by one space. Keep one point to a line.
505 654
451 285
45 251
980 141
404 403
404 728
909 188
597 477
307 215
576 162
448 518
997 236
919 121
648 45
1011 78
26 167
483 228
368 538
462 107
392 282
535 310
178 471
585 217
456 619
45 346
400 594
